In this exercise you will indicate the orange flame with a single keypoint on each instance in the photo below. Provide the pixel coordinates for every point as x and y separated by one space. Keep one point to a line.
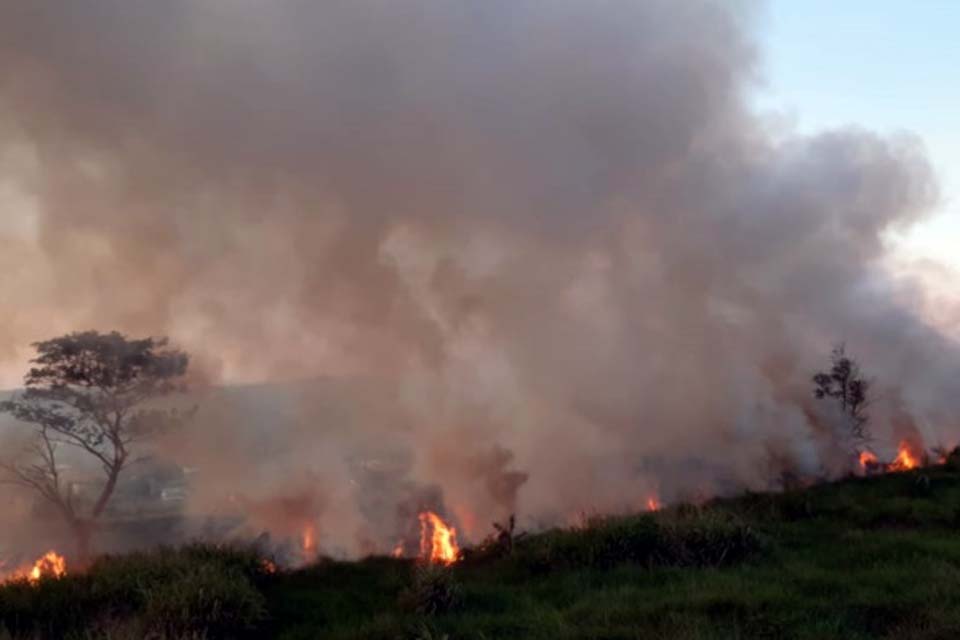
653 504
867 459
49 565
438 540
397 550
308 540
268 566
905 459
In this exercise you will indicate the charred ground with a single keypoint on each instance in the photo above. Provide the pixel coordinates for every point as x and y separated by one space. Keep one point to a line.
859 558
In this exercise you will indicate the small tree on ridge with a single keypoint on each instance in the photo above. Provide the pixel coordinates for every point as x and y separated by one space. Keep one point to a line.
846 385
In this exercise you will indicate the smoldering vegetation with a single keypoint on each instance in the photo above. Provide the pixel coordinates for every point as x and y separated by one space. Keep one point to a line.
479 258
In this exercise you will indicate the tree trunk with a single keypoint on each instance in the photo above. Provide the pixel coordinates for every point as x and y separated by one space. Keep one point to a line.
82 534
107 490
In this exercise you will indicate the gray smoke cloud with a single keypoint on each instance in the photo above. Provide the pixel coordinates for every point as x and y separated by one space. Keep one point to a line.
504 237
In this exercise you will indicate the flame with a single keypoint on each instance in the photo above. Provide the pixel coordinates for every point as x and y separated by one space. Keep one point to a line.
905 459
438 540
49 565
867 459
653 504
397 550
268 566
308 540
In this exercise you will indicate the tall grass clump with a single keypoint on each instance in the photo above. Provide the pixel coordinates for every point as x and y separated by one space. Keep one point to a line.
432 590
704 537
683 537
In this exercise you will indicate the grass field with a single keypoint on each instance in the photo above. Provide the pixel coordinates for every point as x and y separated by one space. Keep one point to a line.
864 558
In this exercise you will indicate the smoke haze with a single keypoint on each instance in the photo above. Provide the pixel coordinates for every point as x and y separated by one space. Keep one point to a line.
543 253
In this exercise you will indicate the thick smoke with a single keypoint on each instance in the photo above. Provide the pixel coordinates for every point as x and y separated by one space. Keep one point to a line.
540 255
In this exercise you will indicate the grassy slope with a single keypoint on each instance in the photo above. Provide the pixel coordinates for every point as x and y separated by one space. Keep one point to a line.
862 558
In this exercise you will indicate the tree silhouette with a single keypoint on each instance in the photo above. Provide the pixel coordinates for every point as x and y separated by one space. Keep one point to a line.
90 392
845 383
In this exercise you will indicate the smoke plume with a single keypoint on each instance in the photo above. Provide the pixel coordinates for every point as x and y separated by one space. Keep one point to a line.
541 256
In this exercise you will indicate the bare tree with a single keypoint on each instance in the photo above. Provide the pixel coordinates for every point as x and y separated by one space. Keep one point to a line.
92 393
845 383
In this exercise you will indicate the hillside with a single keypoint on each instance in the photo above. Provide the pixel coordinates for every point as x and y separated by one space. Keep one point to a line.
875 557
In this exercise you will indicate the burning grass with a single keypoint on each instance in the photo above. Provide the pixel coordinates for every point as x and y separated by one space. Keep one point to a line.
194 591
862 558
50 565
438 540
868 557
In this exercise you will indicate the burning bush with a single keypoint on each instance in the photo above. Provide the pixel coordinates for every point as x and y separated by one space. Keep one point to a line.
49 565
438 540
909 456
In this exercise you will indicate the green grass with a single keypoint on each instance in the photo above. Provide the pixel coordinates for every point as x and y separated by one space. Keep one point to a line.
861 558
196 591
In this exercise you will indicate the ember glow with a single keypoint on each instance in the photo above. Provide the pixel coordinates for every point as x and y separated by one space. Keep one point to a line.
438 540
49 565
268 566
653 504
906 459
308 541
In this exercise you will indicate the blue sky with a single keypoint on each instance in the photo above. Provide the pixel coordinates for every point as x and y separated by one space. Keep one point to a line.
886 65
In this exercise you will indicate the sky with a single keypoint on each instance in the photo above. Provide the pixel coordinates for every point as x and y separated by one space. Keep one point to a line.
884 65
